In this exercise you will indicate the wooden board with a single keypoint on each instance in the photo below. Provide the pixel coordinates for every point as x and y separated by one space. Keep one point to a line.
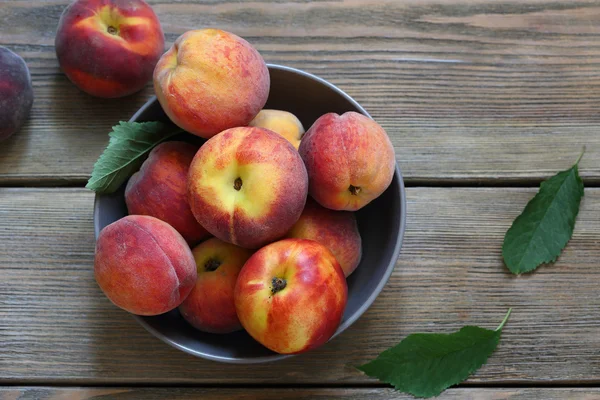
174 393
56 327
470 91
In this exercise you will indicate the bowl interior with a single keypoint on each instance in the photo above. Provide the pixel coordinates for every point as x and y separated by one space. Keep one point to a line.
381 225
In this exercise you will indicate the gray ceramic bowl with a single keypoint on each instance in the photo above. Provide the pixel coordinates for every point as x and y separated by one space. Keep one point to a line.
381 224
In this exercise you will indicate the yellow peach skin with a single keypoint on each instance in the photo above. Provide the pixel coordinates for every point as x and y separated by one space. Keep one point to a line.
291 295
282 122
211 80
247 186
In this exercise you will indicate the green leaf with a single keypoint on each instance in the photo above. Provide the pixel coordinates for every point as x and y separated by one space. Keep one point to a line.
541 232
425 364
128 144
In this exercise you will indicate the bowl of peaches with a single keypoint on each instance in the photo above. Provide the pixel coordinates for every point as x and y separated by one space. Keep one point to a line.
267 225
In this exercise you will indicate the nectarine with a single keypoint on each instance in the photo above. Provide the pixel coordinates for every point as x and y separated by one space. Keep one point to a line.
109 48
291 295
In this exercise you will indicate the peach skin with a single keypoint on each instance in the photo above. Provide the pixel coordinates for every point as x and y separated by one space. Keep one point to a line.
291 295
16 93
350 160
143 265
282 122
211 80
159 189
336 230
210 307
247 186
109 48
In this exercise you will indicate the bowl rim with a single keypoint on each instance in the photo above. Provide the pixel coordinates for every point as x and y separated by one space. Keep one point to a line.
352 318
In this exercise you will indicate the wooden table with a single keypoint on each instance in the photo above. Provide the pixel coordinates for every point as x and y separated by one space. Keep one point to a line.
482 99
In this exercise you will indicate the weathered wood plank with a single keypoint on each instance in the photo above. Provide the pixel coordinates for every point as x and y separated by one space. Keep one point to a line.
57 327
468 90
174 393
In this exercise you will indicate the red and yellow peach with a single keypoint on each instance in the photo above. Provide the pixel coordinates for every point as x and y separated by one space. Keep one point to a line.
211 80
109 48
336 230
210 306
350 160
291 295
247 186
283 122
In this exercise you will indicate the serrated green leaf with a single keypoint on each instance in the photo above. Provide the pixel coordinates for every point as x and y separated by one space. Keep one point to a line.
425 364
128 144
545 226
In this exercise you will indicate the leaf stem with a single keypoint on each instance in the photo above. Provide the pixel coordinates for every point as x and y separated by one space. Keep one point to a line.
581 155
504 320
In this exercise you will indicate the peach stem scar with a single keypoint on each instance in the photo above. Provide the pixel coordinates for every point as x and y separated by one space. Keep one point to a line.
237 184
212 265
278 284
354 190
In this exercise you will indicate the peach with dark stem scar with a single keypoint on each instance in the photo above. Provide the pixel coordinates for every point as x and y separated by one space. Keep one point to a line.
291 295
350 160
247 186
109 49
210 306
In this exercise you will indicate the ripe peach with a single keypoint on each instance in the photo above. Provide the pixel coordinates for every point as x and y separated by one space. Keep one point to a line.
210 306
336 230
247 186
109 48
159 189
143 265
291 295
350 160
282 122
16 93
211 80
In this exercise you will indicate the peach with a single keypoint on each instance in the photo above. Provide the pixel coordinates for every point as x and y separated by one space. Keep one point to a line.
336 230
109 48
350 160
211 80
16 93
247 186
291 295
159 189
210 307
282 122
143 265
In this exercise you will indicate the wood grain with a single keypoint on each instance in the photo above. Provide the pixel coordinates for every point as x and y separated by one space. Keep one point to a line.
470 91
174 393
56 327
